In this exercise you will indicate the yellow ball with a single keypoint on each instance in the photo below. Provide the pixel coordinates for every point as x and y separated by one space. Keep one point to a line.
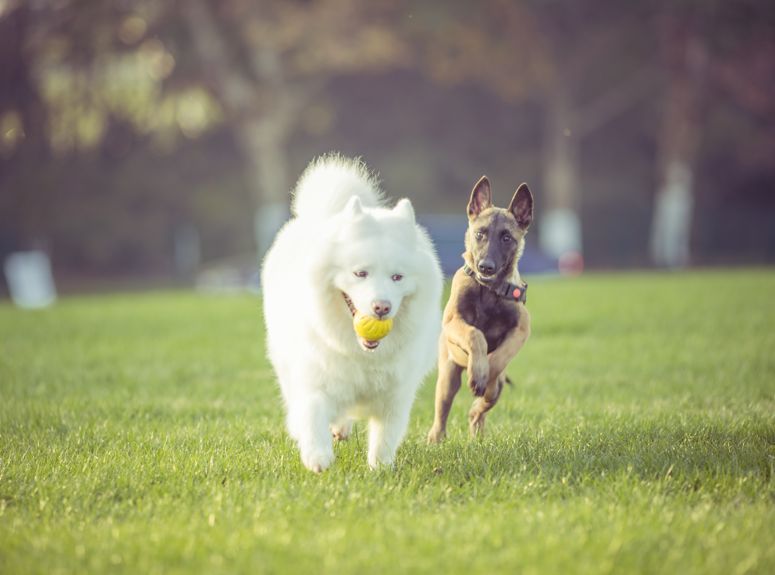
370 328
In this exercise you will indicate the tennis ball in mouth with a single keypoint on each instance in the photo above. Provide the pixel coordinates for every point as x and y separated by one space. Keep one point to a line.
370 328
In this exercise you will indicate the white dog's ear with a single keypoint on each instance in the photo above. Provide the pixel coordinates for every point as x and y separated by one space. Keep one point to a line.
353 207
404 209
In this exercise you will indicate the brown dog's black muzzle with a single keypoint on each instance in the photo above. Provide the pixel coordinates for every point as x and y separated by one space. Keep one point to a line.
486 267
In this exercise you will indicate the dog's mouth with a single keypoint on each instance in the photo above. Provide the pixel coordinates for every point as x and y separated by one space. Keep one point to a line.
486 278
366 345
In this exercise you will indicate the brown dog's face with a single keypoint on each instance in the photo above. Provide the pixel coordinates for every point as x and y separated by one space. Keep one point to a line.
496 237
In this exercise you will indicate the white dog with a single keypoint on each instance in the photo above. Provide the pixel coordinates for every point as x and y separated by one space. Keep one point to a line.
345 252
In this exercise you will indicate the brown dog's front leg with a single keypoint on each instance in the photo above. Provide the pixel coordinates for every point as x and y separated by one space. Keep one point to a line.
484 404
478 363
471 341
498 361
447 385
512 343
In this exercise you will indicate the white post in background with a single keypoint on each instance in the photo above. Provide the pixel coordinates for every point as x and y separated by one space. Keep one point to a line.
686 60
560 232
672 223
186 250
30 280
560 224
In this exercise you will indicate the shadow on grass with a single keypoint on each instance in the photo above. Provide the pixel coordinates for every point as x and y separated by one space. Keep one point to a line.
693 454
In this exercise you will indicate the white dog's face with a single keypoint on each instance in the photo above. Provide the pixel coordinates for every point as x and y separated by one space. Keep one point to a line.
375 270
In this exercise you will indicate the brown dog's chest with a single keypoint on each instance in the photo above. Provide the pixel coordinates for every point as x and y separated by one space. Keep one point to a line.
494 316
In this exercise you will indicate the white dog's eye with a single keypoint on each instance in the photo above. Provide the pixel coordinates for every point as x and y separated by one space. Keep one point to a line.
397 277
361 274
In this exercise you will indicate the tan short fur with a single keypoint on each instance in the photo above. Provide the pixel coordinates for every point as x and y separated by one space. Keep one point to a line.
482 331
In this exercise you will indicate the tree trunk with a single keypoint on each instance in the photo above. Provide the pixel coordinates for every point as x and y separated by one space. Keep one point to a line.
560 225
678 143
263 143
261 130
32 151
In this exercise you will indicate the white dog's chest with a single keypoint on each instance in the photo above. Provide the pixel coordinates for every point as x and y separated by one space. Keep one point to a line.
359 389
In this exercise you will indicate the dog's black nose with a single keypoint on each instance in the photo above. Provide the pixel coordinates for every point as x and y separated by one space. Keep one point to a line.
381 307
486 267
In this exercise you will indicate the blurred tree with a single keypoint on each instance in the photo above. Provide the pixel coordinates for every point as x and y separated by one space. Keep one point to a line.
123 121
586 63
83 82
707 47
685 59
601 69
23 128
100 67
267 62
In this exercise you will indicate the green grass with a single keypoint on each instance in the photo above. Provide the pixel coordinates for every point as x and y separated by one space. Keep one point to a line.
143 434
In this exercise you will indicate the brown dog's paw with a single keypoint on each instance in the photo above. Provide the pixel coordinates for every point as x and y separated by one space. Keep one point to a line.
478 372
436 436
478 388
476 423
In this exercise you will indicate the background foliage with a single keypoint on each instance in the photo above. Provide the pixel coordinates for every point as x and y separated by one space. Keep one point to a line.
122 123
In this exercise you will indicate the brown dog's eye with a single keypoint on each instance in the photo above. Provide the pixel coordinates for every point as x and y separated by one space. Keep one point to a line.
479 235
361 274
506 238
397 277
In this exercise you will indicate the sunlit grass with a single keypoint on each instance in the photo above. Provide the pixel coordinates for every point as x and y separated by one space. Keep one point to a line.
143 434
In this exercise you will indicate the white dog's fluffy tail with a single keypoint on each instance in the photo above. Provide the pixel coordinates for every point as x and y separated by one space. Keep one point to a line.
328 182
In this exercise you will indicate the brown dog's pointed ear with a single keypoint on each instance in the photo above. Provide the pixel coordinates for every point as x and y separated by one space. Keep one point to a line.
522 206
481 197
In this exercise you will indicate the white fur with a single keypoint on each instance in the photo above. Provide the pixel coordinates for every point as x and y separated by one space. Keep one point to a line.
325 375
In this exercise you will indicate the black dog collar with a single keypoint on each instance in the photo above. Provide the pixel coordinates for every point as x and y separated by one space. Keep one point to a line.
508 290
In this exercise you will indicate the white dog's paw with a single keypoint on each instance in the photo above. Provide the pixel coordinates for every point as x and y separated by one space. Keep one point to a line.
317 460
341 431
380 460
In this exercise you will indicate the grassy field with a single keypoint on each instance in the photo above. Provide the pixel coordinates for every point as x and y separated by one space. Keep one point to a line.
143 434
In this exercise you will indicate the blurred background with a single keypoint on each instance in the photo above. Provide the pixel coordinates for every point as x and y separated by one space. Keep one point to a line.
147 143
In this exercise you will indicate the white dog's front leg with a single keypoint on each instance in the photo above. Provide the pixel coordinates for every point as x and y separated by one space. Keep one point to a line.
311 417
385 434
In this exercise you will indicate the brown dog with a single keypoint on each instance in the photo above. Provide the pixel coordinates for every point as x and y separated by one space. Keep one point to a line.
485 321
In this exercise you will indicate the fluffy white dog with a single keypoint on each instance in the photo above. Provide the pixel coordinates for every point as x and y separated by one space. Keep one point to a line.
345 252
